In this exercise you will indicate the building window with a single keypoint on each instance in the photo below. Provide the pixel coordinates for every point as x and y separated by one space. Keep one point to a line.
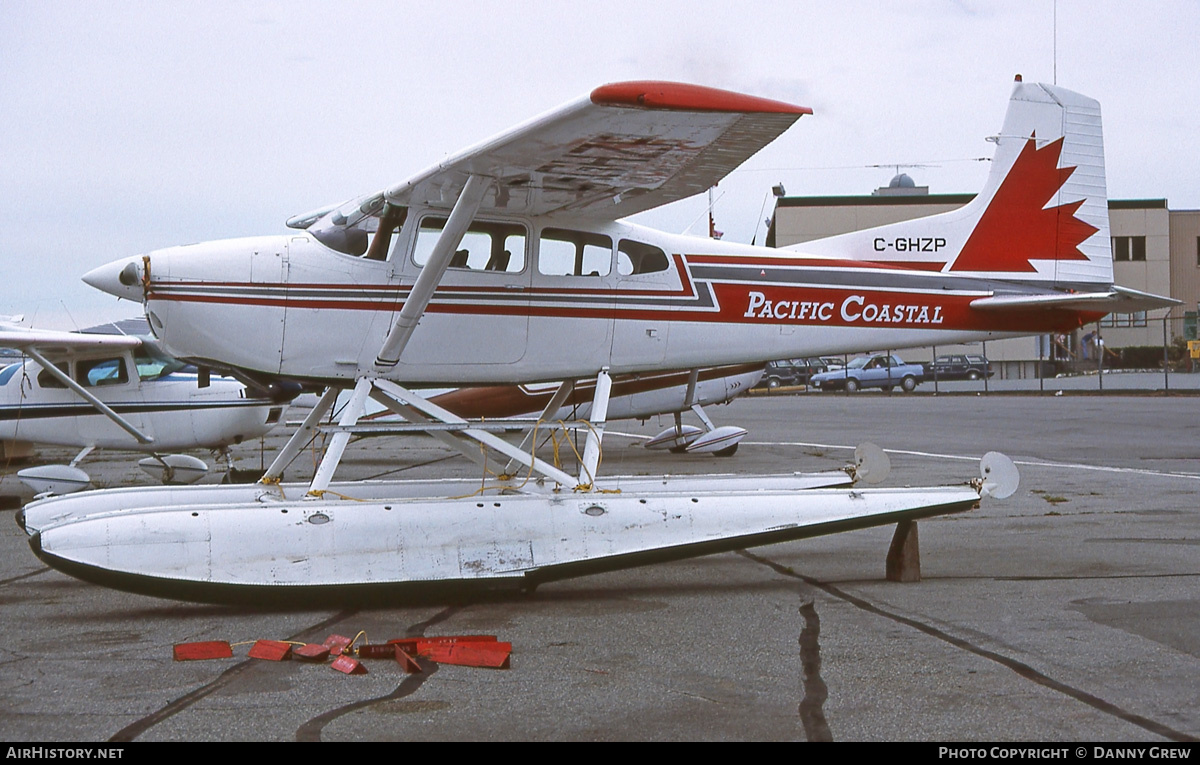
1129 248
1124 320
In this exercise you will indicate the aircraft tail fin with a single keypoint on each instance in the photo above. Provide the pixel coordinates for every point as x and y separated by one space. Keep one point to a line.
1042 215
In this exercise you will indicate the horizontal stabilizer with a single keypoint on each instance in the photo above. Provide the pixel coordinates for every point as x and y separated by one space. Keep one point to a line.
1114 300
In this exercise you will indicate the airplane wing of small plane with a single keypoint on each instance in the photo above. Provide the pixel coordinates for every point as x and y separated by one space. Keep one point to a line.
622 149
54 342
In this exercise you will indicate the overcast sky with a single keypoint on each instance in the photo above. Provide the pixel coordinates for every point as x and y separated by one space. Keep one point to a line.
129 126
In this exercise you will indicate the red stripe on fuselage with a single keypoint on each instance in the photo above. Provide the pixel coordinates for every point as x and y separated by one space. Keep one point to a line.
749 304
804 261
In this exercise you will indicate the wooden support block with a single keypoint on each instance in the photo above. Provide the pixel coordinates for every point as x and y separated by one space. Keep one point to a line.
904 555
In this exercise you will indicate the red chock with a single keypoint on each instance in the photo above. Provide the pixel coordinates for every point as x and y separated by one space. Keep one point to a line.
491 655
211 649
271 650
311 652
409 664
336 644
348 665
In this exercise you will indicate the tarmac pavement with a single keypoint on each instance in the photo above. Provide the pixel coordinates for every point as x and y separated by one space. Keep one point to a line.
1068 612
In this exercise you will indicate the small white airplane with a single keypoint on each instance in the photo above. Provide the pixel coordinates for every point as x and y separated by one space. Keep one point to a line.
91 390
507 264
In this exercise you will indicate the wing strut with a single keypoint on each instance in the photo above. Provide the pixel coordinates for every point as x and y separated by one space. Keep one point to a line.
422 290
103 408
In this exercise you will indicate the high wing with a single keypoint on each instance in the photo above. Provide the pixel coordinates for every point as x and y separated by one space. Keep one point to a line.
52 343
623 148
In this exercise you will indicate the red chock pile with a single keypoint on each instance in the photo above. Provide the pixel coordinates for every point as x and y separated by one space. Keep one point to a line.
463 650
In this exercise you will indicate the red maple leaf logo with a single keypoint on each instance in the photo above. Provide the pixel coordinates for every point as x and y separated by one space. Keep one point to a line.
1015 228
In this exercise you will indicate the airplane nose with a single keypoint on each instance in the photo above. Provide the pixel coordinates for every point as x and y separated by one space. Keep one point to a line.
122 278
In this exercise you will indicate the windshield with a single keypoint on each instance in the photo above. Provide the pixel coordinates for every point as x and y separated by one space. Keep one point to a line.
349 228
858 363
151 366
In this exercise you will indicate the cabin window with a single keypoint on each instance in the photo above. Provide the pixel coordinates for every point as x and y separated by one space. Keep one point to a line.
562 252
637 258
100 372
47 380
485 246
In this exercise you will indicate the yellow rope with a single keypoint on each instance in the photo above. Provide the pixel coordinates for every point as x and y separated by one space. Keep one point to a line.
319 493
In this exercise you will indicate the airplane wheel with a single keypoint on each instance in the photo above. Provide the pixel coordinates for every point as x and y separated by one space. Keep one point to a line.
852 386
909 384
728 451
677 449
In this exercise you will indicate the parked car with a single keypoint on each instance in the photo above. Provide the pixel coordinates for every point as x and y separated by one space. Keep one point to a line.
833 362
883 370
961 367
790 372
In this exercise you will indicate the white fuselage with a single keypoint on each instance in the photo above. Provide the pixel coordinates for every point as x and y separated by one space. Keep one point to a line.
290 306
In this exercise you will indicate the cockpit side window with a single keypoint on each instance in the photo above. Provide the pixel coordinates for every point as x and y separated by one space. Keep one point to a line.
98 372
390 222
562 252
638 258
47 380
485 247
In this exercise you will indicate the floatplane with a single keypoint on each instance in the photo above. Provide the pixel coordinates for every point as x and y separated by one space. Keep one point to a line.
510 263
106 389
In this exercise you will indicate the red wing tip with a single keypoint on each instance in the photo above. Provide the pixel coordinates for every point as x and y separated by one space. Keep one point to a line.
679 96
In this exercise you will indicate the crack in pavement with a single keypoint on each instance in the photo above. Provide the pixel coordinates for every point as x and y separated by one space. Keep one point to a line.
137 728
311 729
1022 669
811 709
